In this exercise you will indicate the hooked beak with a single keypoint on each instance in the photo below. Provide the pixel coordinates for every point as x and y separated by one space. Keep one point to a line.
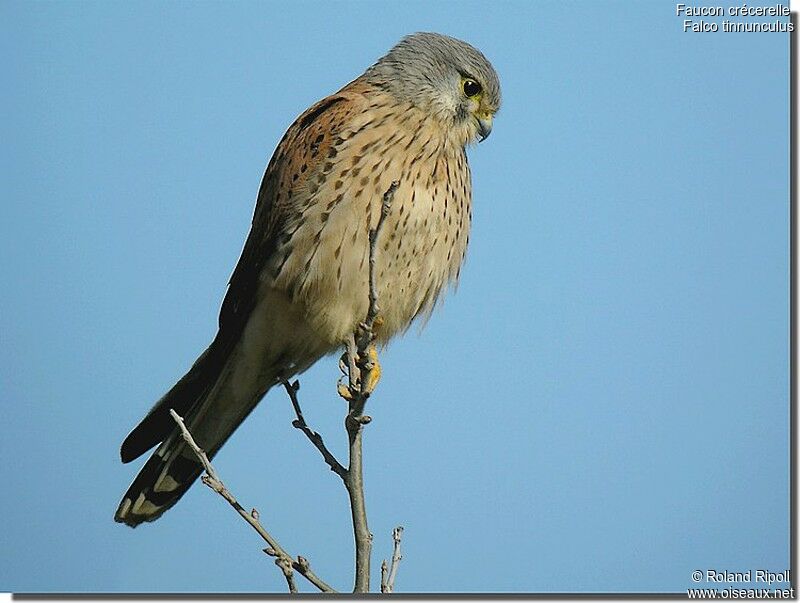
484 127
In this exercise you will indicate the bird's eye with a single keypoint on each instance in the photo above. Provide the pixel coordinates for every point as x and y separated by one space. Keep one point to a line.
472 88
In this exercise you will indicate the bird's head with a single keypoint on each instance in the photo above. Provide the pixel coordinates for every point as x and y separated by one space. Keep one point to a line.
445 77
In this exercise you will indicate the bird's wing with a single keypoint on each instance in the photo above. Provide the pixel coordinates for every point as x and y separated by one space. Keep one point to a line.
289 182
290 176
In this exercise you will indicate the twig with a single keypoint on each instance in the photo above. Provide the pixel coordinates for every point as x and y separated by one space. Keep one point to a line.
358 508
384 575
356 418
313 436
282 559
389 574
386 206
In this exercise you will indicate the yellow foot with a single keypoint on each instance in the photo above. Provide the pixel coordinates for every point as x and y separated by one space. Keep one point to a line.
344 392
373 374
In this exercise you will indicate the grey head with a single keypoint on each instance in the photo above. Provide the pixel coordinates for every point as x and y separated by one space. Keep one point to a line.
445 77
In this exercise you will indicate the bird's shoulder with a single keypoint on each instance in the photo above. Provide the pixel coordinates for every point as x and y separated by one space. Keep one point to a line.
294 173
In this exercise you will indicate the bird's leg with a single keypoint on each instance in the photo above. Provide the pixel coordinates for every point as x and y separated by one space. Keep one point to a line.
372 370
369 366
348 364
353 373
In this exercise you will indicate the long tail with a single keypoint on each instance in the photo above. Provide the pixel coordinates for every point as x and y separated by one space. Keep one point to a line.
212 409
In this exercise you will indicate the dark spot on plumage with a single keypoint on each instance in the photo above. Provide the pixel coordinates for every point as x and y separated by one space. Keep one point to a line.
358 194
327 167
280 266
309 118
339 184
298 224
332 203
364 181
324 216
315 145
303 168
332 152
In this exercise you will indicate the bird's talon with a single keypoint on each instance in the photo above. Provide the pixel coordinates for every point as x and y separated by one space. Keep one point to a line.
372 370
344 392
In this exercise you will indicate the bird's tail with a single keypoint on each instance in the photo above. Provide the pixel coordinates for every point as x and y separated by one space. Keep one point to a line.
212 409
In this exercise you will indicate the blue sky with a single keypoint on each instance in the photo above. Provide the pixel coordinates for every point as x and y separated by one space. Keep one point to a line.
602 405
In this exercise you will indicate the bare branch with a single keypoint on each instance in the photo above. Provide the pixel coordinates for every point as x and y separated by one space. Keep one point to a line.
384 575
313 436
387 584
282 559
362 341
386 206
358 508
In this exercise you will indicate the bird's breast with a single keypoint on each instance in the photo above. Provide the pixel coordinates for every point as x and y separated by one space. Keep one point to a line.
420 247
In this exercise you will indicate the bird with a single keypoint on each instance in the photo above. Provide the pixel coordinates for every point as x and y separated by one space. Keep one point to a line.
299 289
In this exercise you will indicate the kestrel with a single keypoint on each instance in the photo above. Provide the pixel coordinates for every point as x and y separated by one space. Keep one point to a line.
300 287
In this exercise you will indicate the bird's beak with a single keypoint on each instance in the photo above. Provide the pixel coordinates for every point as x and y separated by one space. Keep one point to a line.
484 127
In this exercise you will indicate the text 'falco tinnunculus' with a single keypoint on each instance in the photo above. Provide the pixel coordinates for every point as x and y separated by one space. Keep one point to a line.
300 287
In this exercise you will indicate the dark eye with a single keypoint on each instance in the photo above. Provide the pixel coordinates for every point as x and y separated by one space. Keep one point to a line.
472 88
